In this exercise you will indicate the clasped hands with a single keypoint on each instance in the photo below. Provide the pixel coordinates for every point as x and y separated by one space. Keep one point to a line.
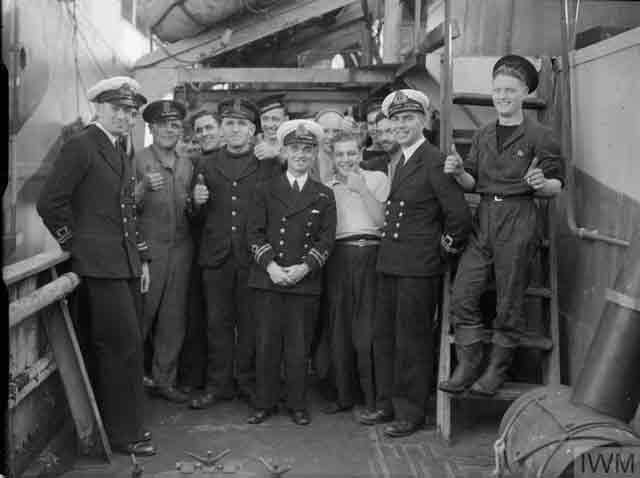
287 276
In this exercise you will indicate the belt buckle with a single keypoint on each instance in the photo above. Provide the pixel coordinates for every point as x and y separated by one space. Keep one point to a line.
498 198
361 242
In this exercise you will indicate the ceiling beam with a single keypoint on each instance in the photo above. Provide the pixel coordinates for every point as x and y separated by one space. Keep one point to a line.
318 76
246 30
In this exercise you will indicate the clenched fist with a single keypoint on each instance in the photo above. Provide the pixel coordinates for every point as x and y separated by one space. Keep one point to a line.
155 181
200 191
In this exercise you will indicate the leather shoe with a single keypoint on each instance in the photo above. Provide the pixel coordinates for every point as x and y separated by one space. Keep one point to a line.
171 394
146 436
334 407
300 417
205 400
139 448
148 382
402 428
374 417
260 415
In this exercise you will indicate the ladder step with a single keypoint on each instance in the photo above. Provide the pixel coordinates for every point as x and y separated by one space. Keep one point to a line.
530 340
510 391
479 99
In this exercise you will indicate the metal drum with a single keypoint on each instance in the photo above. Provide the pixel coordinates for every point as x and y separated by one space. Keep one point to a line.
542 433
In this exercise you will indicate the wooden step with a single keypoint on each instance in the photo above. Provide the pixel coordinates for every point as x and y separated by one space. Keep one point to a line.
479 99
510 391
530 340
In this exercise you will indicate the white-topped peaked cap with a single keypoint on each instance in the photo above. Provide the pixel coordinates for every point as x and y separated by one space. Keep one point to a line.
405 100
300 131
117 89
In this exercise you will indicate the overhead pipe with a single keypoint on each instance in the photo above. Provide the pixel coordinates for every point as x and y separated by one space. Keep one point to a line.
581 232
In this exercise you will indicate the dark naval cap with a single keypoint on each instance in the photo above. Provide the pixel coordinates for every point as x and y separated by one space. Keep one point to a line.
271 102
523 69
162 110
300 131
405 100
240 108
119 90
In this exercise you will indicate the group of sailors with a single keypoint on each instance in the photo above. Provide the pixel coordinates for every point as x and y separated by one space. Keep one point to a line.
246 257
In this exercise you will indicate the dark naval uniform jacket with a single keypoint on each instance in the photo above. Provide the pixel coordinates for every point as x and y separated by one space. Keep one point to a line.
291 227
224 216
425 207
88 204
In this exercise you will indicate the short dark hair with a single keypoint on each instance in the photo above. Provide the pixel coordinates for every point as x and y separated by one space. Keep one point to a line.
201 114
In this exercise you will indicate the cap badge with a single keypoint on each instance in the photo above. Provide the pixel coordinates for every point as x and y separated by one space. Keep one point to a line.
125 88
301 130
400 98
237 104
166 108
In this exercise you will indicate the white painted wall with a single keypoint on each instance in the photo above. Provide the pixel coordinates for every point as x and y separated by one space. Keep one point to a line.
606 111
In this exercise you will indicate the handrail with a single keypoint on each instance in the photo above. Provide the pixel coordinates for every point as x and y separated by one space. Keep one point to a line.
18 271
40 298
580 232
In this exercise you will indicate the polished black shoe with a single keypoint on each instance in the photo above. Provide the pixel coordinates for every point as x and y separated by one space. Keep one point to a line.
148 383
260 415
300 417
402 428
496 372
374 417
146 436
139 448
171 394
334 407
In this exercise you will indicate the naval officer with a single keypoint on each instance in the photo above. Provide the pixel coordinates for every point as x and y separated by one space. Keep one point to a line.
291 230
425 213
88 204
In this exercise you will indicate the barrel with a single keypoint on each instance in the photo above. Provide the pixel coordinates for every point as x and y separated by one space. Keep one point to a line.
610 380
543 433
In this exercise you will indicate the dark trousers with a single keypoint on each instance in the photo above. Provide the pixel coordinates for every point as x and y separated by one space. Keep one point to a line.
165 307
403 343
117 349
502 245
193 357
231 335
351 290
284 327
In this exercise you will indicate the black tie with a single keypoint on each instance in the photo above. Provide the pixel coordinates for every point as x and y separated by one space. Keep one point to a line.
296 188
399 166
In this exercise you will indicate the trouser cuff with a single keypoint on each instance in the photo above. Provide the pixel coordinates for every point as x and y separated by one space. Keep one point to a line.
468 335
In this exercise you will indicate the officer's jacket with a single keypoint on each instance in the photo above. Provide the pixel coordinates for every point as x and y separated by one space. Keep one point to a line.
425 207
163 213
502 173
291 227
88 204
224 216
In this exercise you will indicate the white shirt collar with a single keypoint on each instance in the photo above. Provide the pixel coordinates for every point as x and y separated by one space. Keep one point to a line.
408 152
301 180
111 137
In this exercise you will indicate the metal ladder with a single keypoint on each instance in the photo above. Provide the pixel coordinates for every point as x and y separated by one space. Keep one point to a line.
547 293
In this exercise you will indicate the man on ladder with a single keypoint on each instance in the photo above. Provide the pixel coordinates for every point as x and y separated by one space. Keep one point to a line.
510 162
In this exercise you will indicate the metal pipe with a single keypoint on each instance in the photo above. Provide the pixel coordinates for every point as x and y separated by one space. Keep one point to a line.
417 23
580 232
446 84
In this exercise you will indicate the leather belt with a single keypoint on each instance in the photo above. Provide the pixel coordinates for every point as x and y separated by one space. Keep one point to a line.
500 198
358 242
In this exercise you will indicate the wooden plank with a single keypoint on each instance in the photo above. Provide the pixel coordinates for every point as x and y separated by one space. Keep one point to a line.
443 400
623 300
29 379
75 379
42 297
248 29
33 265
508 392
325 76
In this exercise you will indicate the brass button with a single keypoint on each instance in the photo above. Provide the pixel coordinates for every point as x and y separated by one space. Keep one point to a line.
388 203
395 235
284 219
400 214
281 254
309 223
233 198
308 234
306 246
235 184
122 206
386 213
233 228
233 213
126 234
124 219
282 231
282 243
384 234
398 225
384 223
401 203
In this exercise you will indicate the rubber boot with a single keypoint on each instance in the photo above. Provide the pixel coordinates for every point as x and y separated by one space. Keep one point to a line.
496 373
468 369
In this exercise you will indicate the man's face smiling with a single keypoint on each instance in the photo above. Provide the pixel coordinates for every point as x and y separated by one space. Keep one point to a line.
408 126
386 135
300 157
237 132
332 124
346 156
207 132
271 120
166 133
115 118
508 93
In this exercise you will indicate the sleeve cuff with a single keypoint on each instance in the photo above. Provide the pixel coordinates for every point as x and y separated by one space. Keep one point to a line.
64 235
316 259
263 255
447 242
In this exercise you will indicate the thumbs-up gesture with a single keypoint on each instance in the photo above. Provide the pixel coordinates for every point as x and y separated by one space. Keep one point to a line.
534 176
200 191
453 163
154 179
